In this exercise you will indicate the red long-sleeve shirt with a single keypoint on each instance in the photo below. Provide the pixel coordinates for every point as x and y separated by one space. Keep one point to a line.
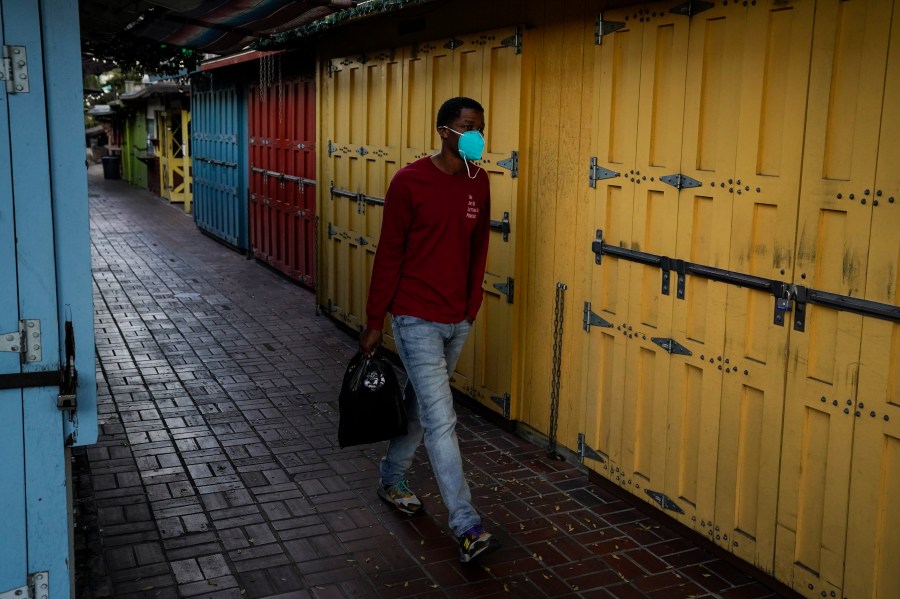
433 248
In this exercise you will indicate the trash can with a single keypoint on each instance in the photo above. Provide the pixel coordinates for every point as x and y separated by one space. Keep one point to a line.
110 167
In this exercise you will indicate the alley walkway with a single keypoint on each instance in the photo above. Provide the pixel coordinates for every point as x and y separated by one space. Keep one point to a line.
217 472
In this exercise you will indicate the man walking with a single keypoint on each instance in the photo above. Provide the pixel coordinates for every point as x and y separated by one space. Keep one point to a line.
428 272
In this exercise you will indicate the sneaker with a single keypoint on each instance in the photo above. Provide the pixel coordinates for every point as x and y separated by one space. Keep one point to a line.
401 497
473 543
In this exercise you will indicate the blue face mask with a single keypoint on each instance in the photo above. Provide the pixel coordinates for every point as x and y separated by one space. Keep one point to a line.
471 144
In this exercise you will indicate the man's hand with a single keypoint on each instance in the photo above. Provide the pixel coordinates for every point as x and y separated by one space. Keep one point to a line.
369 341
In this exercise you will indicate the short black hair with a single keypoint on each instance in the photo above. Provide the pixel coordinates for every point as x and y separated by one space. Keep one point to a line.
452 108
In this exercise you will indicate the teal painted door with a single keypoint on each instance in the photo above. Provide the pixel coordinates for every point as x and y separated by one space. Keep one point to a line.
45 290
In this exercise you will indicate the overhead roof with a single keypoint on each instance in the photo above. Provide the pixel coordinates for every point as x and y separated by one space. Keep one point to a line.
209 26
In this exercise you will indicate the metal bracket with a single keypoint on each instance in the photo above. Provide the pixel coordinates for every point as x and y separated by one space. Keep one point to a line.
585 451
503 402
331 231
507 289
331 148
362 151
691 8
679 181
502 226
15 69
453 44
681 271
671 346
26 341
664 501
602 28
597 173
332 68
592 320
511 164
665 265
362 240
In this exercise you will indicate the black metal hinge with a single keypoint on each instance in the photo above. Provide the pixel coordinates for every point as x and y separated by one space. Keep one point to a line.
453 44
507 289
515 40
603 27
592 320
664 501
511 164
679 181
691 7
502 401
585 451
671 346
598 173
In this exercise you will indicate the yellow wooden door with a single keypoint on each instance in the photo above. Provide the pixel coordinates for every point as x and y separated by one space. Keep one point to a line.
361 128
772 107
711 98
617 79
873 543
846 86
641 63
379 113
487 67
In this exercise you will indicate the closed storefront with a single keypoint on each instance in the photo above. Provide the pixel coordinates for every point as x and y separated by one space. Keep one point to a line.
693 270
282 150
379 111
737 209
219 134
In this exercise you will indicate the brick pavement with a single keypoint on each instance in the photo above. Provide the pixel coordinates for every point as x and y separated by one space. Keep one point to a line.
217 473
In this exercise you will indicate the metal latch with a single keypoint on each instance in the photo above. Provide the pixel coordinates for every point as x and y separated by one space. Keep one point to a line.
511 164
502 226
597 172
592 320
15 69
38 587
26 341
68 380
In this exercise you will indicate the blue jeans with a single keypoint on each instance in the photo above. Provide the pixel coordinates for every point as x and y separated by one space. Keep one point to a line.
429 351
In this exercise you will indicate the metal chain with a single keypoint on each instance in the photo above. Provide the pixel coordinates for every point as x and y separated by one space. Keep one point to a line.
270 73
280 94
558 315
261 91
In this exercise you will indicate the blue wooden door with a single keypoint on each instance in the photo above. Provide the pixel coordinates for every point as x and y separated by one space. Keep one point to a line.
45 291
218 124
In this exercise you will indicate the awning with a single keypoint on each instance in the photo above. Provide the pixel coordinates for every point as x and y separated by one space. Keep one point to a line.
209 26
